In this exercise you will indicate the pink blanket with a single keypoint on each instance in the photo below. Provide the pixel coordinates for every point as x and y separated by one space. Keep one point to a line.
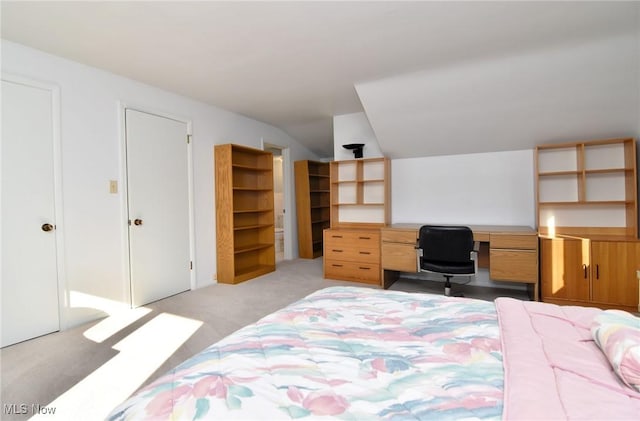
553 368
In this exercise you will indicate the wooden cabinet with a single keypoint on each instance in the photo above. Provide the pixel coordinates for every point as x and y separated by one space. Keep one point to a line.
245 235
352 255
583 271
360 205
312 206
360 193
588 215
587 188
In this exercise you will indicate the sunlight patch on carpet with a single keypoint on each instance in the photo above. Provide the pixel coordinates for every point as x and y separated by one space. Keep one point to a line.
141 354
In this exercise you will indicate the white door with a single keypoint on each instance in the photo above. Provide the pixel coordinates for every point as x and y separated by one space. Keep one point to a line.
158 197
29 272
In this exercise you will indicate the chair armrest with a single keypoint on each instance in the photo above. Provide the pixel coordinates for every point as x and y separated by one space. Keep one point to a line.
474 255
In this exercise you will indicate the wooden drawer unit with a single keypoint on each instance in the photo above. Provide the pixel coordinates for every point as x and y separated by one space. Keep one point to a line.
354 238
399 249
513 257
352 271
352 255
396 235
349 254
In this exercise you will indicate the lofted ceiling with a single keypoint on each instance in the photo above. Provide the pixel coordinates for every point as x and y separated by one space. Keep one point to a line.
432 77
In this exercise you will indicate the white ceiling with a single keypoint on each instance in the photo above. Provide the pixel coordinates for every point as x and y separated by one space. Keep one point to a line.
434 77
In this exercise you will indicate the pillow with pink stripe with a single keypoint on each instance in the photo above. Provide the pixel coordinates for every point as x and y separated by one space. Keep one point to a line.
617 333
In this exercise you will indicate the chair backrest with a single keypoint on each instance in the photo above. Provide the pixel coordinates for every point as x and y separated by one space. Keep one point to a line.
452 244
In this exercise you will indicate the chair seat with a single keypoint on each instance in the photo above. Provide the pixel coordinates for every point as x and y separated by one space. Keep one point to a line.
448 267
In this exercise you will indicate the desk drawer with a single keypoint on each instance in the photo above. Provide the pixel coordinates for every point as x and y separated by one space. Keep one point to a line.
399 236
351 239
514 265
338 251
352 271
514 241
400 257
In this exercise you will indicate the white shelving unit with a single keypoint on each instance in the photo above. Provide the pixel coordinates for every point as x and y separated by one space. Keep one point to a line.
588 187
360 192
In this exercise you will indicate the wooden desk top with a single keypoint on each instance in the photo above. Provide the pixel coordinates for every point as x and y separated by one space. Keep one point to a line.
480 232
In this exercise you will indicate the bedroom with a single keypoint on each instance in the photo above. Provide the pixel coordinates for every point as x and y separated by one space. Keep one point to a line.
500 161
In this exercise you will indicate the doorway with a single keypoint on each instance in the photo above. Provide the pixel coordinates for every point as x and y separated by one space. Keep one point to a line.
158 206
32 245
280 197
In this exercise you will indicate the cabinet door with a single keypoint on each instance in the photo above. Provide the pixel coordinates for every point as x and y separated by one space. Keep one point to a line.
564 264
614 272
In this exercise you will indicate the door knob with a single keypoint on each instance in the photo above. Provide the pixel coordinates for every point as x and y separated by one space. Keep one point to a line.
47 227
137 222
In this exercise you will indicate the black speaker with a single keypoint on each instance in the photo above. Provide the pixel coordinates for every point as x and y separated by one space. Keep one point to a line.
356 148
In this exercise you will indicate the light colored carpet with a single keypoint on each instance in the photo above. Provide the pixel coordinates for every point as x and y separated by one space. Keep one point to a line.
40 370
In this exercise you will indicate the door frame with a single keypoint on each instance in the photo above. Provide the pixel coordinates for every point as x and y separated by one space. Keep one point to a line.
287 177
124 193
58 201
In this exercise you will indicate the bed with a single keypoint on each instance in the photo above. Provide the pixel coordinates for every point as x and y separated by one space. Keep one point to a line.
359 353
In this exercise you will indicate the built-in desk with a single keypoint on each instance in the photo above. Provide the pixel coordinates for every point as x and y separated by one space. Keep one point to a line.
509 252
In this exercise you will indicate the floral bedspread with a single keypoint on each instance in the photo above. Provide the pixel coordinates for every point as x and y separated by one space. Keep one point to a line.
345 352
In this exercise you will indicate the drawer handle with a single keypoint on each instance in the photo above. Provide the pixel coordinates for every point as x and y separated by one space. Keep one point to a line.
584 268
336 266
336 236
364 238
365 252
364 268
336 250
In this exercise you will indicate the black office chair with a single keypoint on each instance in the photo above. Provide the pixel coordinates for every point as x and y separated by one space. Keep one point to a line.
447 250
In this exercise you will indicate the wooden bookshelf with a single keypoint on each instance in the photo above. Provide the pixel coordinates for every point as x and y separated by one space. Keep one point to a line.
312 206
245 234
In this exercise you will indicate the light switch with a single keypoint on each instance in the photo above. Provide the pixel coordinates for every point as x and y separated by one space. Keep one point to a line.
113 186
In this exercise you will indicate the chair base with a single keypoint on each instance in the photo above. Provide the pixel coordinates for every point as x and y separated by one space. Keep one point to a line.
447 285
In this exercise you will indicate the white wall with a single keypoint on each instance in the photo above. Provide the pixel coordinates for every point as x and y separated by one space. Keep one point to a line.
566 92
93 224
353 128
476 189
